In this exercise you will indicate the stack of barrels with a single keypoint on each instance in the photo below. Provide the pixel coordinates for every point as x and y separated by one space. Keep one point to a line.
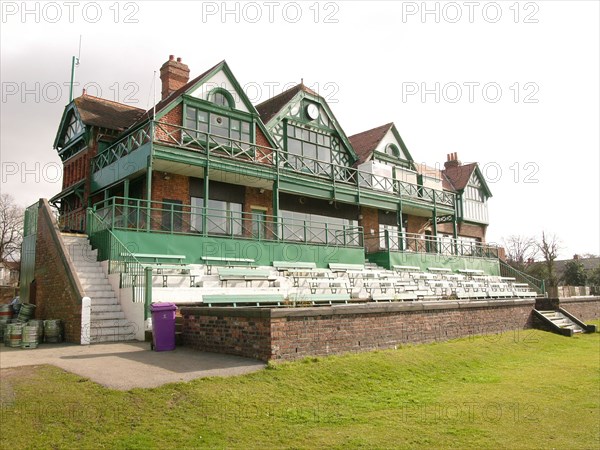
25 332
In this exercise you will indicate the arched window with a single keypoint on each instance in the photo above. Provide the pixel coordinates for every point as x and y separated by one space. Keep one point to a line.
392 150
221 97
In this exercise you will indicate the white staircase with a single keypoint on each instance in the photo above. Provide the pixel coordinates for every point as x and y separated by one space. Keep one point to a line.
561 321
107 322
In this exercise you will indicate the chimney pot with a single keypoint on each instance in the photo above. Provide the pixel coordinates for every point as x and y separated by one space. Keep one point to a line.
83 92
173 75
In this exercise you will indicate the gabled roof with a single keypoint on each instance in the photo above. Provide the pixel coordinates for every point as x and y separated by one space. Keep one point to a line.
366 142
104 113
459 176
269 108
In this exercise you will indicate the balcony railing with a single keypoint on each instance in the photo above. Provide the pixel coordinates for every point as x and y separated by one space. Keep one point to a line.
213 145
173 218
419 243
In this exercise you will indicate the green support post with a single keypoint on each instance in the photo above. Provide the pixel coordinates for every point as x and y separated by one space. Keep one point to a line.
147 291
149 194
399 221
276 208
126 202
206 196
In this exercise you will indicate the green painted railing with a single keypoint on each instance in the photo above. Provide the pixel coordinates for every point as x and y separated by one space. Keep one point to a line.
132 273
535 284
419 243
160 217
281 161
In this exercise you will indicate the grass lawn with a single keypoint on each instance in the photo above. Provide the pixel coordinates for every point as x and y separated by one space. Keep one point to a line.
527 389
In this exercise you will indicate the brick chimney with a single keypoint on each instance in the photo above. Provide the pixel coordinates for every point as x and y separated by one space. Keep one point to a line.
452 160
173 74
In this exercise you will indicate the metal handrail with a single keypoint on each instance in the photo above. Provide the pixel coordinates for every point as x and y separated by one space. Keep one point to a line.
536 284
207 143
174 218
420 243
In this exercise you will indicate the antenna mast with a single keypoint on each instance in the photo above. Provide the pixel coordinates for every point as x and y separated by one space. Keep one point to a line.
74 62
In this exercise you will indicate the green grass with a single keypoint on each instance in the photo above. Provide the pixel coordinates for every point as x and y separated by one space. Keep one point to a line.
527 389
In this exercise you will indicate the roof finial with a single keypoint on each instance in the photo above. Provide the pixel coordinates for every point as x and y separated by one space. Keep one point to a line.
302 81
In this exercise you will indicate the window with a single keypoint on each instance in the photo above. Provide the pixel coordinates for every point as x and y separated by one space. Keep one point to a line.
392 150
225 128
312 148
221 217
394 236
172 219
222 97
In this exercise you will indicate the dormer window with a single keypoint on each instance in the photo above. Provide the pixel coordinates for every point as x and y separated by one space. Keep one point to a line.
392 150
222 97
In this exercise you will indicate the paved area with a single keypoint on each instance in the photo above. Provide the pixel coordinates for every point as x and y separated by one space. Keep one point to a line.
130 365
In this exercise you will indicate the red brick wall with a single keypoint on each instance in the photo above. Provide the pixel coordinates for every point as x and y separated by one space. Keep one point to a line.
287 334
235 335
370 221
177 187
264 155
464 229
415 224
175 117
253 199
582 308
56 297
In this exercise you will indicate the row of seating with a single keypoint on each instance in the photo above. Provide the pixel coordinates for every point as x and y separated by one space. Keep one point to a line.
302 283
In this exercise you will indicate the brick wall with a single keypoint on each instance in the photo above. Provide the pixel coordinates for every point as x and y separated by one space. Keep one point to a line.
370 221
415 224
7 293
582 308
177 187
287 334
464 229
167 133
225 331
57 296
264 155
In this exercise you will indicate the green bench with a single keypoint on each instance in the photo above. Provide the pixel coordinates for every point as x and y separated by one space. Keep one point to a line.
338 267
225 261
398 268
247 275
318 299
243 299
185 270
157 258
284 266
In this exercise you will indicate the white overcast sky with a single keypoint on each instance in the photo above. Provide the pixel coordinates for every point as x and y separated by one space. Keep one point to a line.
527 74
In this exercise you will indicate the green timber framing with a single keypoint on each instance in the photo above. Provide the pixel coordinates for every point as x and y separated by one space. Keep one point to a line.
154 145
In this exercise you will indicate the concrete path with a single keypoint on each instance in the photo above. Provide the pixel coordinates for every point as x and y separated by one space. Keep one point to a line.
129 365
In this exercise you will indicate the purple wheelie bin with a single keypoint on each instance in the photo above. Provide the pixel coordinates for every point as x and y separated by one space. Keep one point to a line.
163 326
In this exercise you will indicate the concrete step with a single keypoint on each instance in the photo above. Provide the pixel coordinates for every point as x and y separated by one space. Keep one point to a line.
84 271
105 307
87 276
97 301
85 264
102 323
97 287
107 315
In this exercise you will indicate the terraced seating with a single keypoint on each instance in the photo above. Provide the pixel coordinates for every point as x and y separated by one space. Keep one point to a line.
298 299
247 275
308 274
225 261
343 268
286 266
332 283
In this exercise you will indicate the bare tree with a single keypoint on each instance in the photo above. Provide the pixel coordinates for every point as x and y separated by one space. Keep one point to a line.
549 247
11 228
520 250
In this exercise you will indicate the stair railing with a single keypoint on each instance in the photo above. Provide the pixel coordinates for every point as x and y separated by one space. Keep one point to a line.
508 271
